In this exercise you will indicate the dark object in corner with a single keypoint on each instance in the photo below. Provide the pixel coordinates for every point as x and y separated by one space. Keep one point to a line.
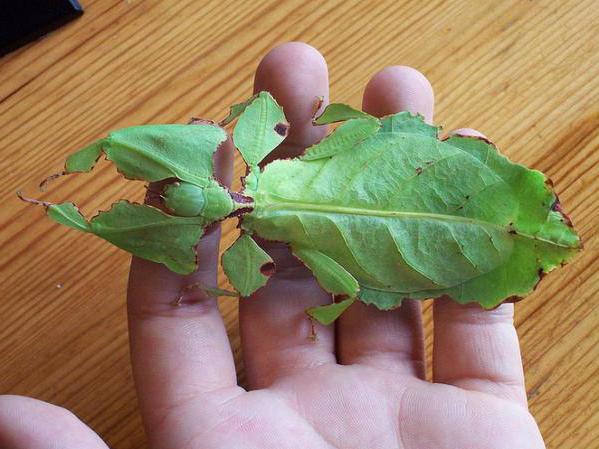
22 21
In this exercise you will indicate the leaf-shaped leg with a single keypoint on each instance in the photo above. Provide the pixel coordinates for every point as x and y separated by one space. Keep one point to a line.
154 152
339 112
343 138
149 233
334 279
247 266
261 127
141 230
383 300
208 291
406 122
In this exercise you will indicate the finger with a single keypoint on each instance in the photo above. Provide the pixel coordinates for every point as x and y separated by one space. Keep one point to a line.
466 132
391 340
182 352
399 88
274 327
296 75
31 424
477 349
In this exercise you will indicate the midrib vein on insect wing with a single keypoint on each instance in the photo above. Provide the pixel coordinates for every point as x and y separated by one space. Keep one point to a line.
303 207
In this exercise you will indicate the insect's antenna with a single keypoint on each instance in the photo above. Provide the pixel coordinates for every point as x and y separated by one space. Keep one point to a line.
32 200
49 179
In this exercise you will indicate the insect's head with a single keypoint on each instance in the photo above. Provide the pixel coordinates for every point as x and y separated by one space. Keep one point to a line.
184 199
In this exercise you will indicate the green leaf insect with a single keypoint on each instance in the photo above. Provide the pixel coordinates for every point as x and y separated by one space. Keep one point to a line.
380 210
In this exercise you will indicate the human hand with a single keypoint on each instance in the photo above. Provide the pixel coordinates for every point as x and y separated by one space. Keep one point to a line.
359 385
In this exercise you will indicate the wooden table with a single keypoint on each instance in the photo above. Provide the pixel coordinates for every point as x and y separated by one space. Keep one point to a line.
524 72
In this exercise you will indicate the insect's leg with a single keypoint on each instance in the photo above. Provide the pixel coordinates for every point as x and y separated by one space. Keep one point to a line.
333 278
247 266
179 299
208 291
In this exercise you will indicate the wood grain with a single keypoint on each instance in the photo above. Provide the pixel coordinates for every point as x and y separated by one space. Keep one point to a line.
526 73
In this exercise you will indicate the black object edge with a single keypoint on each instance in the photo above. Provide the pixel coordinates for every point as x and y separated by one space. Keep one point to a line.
23 21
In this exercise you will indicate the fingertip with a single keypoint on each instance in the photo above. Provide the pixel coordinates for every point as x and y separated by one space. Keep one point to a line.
296 74
399 88
449 311
466 132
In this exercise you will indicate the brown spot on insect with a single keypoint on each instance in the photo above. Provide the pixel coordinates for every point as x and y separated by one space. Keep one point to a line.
510 228
418 170
557 207
268 269
541 274
200 121
340 297
281 129
313 336
240 198
239 212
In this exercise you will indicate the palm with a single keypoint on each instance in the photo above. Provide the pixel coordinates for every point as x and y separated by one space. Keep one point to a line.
337 406
359 385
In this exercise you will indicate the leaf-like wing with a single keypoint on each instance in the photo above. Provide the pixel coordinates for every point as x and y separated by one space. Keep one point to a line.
156 152
247 266
410 216
261 127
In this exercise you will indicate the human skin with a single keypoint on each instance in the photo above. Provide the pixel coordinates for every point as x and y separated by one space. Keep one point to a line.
359 385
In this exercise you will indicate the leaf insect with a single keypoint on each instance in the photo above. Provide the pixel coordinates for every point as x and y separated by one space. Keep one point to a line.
379 210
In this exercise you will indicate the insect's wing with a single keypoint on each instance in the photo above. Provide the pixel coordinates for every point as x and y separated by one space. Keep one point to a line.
247 266
410 216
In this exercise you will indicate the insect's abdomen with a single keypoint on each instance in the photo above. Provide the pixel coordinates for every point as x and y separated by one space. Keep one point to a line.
395 218
392 252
